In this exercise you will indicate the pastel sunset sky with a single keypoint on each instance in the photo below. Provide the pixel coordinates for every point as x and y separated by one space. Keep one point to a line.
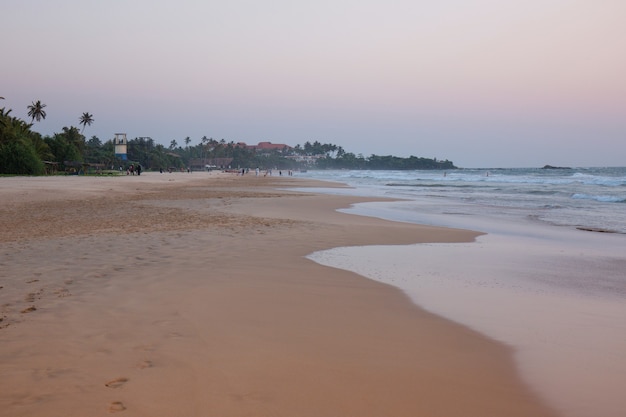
483 83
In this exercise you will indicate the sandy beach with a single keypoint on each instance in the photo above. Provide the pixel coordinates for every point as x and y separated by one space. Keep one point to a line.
191 295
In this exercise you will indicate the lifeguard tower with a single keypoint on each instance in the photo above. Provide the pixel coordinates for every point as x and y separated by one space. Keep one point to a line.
121 146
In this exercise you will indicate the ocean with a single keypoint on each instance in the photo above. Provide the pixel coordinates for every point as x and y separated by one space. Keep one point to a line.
548 278
580 197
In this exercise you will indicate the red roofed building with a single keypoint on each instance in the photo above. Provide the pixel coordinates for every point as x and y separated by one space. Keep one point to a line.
269 146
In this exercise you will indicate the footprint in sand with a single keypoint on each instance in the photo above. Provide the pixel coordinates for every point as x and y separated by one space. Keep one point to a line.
29 310
62 292
144 364
145 348
31 297
116 383
116 407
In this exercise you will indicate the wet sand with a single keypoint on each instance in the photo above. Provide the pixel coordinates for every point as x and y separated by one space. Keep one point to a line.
570 348
191 294
554 294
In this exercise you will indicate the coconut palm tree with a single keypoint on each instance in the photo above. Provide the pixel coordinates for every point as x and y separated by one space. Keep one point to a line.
36 111
86 120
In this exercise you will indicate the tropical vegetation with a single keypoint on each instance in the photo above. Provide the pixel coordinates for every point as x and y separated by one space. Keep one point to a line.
24 151
36 111
86 120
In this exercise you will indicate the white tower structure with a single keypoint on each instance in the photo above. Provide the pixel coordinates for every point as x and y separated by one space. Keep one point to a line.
121 146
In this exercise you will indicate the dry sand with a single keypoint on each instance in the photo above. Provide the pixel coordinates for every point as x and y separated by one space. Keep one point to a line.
190 295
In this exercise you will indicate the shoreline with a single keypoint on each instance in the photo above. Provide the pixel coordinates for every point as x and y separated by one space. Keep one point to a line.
201 302
552 293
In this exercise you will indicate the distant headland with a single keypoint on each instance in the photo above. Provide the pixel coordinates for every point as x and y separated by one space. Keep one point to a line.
553 167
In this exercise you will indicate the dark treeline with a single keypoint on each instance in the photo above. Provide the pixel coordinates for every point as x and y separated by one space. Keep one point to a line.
329 156
26 152
376 162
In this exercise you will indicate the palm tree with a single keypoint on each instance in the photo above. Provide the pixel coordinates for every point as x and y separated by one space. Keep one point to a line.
86 120
36 111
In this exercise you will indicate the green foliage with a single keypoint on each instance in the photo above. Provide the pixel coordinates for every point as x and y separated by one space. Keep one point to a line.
21 150
343 160
20 158
97 152
153 156
317 148
324 155
36 111
67 146
86 120
412 162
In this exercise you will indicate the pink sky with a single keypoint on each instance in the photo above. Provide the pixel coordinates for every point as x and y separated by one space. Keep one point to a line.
482 83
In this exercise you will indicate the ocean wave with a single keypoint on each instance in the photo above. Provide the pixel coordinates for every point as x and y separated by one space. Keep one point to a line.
476 177
513 177
608 181
600 198
537 180
590 197
430 185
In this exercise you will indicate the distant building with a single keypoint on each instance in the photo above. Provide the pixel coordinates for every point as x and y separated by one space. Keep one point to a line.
202 164
307 159
269 146
121 146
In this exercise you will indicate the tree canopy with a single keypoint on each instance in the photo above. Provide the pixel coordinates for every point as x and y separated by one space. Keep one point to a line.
25 152
36 111
86 120
22 151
